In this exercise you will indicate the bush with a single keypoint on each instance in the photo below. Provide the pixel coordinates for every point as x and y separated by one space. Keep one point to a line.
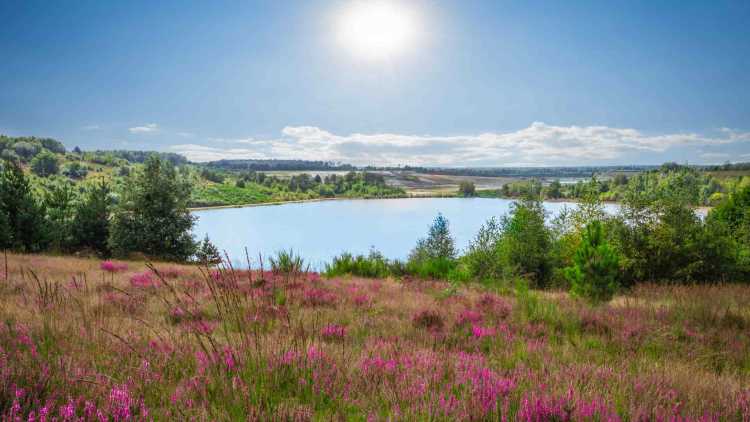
431 268
75 170
45 164
373 265
287 262
595 270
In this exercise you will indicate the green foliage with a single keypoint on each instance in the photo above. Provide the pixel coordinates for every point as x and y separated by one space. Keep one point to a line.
373 265
45 164
526 242
554 190
254 187
664 240
75 170
734 214
58 200
466 189
670 181
152 216
90 229
439 268
287 262
595 270
22 215
207 253
438 245
482 259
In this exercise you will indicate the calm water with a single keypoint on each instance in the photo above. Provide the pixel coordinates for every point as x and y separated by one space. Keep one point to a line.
320 230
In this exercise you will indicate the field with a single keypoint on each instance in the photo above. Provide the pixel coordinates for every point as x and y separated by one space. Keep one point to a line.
86 339
421 184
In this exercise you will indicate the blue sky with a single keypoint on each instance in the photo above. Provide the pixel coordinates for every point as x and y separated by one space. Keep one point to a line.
487 83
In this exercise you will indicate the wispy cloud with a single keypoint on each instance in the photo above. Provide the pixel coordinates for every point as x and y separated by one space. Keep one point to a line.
538 144
151 127
91 127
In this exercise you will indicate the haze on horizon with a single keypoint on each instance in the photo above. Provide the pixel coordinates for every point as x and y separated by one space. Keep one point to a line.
384 82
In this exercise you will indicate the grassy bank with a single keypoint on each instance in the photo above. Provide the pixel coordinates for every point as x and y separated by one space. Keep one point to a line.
121 341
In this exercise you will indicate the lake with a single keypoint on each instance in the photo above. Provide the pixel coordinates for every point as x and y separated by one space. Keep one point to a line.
321 230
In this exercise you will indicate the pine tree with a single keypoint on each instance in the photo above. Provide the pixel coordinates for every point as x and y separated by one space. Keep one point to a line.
438 245
207 252
91 222
594 274
21 212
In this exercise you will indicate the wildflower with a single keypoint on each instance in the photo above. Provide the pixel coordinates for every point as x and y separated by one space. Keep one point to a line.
142 280
120 402
468 316
319 297
480 332
333 332
113 267
313 277
68 411
362 300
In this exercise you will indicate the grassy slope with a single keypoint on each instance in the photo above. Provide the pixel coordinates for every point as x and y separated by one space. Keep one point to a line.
235 347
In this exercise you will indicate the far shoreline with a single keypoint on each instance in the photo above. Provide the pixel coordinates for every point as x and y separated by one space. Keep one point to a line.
703 209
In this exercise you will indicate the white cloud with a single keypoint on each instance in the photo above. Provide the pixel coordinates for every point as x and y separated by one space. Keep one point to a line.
538 144
151 127
91 127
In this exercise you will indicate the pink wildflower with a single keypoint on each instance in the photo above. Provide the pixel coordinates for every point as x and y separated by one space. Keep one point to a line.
142 280
333 332
112 266
480 332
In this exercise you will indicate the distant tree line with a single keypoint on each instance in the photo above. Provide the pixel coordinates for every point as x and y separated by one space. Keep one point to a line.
697 187
278 165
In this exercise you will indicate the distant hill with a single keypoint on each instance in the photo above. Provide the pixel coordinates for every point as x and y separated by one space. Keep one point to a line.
279 165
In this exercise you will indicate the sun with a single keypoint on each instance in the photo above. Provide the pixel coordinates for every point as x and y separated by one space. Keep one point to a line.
377 30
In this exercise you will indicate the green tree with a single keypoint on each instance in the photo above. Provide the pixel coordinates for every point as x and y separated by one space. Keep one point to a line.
482 256
595 270
467 189
23 214
438 244
26 150
152 216
734 214
526 241
45 164
554 189
58 201
91 221
207 253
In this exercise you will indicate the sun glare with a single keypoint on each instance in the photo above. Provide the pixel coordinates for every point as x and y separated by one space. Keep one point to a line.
377 29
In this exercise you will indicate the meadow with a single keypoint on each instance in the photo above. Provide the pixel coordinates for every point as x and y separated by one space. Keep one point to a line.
84 339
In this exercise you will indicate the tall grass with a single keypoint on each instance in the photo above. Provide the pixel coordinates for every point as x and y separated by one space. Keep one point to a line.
80 342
